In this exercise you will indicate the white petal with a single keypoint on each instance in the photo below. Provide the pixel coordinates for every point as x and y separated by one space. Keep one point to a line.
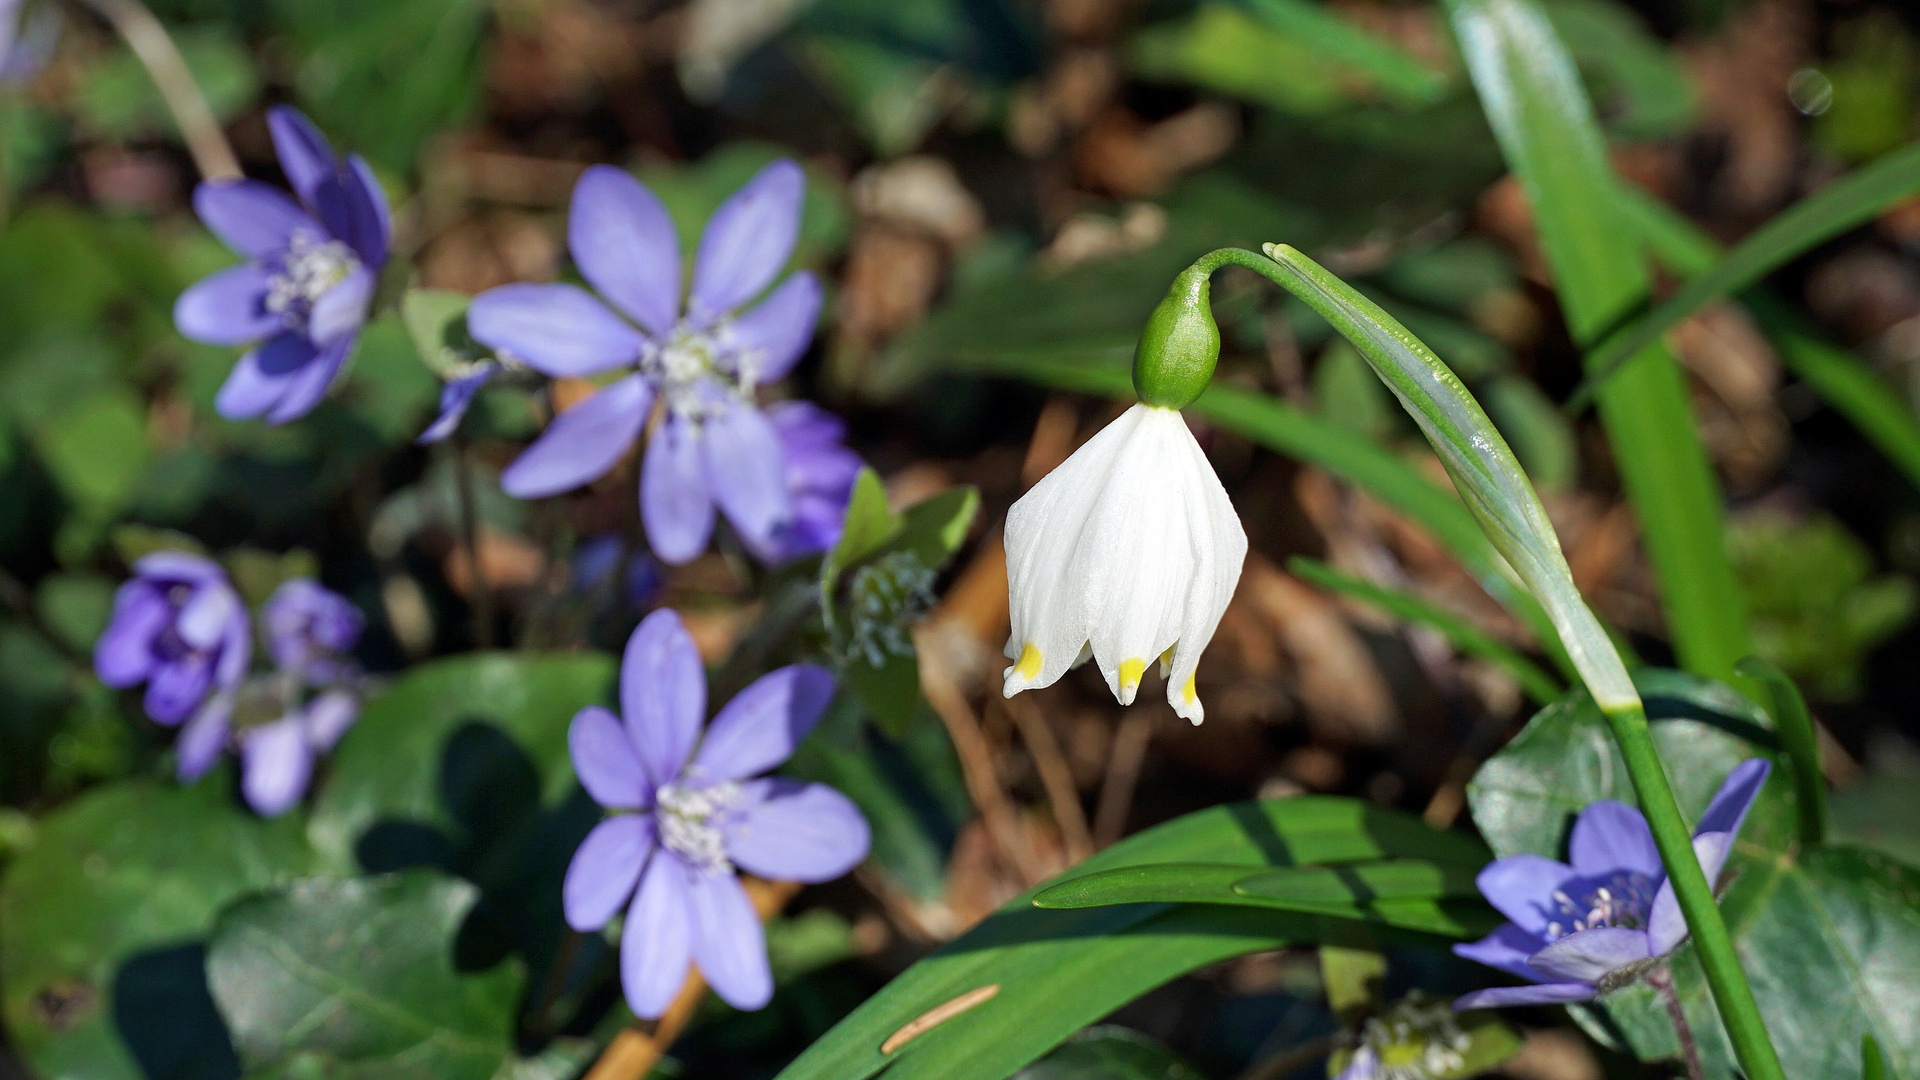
1220 545
1042 539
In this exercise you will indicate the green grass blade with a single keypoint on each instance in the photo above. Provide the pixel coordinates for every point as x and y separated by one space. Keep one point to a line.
1797 736
1853 390
1284 429
1812 221
1396 73
1534 680
1545 125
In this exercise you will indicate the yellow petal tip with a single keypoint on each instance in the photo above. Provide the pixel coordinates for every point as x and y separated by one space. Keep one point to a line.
1131 672
1029 663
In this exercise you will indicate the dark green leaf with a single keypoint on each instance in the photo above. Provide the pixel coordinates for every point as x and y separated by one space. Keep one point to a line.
1525 797
869 525
1057 971
120 871
390 766
935 527
361 970
1110 1052
890 692
1641 89
97 449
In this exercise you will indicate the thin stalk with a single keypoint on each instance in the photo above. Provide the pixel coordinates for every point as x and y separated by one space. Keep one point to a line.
156 51
1682 1030
480 593
1738 1011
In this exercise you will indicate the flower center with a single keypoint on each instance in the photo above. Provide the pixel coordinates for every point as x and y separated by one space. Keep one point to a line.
310 267
1417 1040
1622 899
686 818
698 373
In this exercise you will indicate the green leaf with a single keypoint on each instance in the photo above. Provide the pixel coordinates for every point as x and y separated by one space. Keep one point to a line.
1542 687
1057 971
1873 1064
1110 1052
1545 126
1640 86
1525 797
97 450
1801 744
118 98
388 385
1834 209
1400 893
1540 434
867 528
933 529
890 691
390 765
1878 410
384 75
1831 943
894 97
120 871
361 970
1286 54
436 320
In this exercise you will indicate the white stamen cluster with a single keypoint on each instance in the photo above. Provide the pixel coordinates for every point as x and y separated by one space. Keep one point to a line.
1624 902
310 268
689 370
685 816
1418 1039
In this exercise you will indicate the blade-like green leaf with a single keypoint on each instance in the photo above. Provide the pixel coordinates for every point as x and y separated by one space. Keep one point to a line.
1542 687
1837 375
1797 738
1111 1052
1793 232
1314 26
1540 114
1057 971
1400 893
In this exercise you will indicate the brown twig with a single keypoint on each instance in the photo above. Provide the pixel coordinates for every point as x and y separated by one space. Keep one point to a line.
633 1053
1124 759
1662 982
161 57
1056 776
976 764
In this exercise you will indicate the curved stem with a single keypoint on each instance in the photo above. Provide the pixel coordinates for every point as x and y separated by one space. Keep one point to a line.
1625 715
1662 982
161 57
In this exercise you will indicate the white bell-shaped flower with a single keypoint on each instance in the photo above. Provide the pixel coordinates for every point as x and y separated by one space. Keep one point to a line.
1129 550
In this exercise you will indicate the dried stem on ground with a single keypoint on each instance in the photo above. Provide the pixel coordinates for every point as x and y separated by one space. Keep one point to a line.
161 57
1055 775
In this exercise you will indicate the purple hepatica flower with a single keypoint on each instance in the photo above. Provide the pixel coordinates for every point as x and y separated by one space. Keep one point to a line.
179 627
820 471
308 629
300 298
713 447
276 759
685 819
1578 929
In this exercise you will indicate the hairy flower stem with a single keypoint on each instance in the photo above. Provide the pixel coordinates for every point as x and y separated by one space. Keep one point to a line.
1662 983
480 592
155 50
1579 632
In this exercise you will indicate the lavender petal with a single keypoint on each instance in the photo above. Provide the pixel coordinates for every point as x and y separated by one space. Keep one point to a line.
797 832
675 506
747 241
175 689
1507 949
771 338
1521 887
1502 996
327 719
760 727
203 738
656 943
371 223
1666 925
1727 812
558 330
255 219
624 243
228 308
455 397
1609 836
1588 955
250 389
305 156
605 761
124 654
342 309
308 386
583 443
604 870
729 943
663 694
746 472
275 766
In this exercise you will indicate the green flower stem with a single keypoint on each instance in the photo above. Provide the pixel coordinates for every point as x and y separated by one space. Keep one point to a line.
1495 488
1797 737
